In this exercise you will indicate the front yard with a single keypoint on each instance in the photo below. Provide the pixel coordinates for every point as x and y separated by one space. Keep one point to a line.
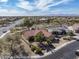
34 42
39 44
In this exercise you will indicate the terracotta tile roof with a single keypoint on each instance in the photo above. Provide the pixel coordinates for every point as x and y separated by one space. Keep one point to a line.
34 32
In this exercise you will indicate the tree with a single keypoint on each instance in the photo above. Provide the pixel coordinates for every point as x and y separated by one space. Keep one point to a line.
27 23
31 39
39 37
49 41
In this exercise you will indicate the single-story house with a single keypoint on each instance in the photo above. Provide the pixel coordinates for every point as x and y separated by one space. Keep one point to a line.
43 20
60 29
30 33
74 28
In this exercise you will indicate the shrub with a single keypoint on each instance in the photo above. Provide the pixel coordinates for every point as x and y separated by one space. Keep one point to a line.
48 41
33 48
38 51
71 33
39 37
67 38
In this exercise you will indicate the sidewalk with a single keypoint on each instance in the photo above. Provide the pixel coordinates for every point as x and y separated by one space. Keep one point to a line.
53 51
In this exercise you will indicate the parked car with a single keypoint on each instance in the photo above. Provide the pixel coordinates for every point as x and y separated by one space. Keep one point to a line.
77 52
4 31
76 38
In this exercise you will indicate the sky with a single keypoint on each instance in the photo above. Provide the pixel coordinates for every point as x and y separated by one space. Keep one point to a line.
38 7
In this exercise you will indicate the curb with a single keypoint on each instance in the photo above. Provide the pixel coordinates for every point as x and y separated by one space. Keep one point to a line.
54 50
48 53
4 34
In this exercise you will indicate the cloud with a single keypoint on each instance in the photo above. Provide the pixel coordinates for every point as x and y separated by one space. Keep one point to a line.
70 11
10 12
40 4
35 7
3 0
43 3
60 2
25 5
14 12
48 3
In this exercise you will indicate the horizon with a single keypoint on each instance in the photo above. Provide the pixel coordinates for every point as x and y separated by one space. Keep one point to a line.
39 8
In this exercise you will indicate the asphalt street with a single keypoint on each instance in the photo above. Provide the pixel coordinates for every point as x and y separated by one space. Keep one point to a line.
67 52
2 29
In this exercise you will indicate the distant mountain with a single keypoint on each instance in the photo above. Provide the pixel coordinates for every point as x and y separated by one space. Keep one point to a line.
63 15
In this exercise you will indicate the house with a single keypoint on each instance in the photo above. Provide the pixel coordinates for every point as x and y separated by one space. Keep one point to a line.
74 28
30 33
42 20
59 29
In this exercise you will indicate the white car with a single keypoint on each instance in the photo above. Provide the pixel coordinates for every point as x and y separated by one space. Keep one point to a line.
4 31
77 52
76 38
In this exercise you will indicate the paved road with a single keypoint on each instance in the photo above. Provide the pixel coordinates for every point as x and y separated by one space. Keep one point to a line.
9 26
66 52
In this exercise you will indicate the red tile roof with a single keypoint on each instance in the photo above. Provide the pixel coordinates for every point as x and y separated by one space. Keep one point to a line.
34 32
